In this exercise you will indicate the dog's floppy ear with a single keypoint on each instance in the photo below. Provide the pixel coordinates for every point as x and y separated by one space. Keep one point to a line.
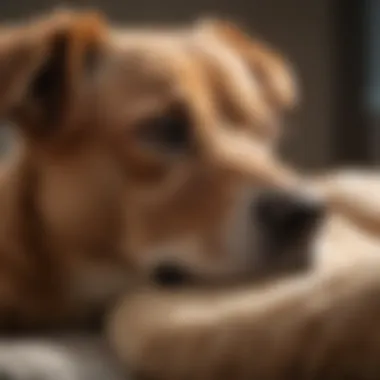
41 64
271 70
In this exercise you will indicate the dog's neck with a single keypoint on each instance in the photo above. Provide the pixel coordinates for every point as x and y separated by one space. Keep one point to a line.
37 286
26 275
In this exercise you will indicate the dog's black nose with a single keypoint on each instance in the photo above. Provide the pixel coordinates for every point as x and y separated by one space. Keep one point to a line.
287 215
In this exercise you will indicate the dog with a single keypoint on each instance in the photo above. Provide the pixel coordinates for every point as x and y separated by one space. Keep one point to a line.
138 151
144 155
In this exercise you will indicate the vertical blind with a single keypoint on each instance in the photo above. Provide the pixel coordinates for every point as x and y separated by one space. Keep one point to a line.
372 55
372 74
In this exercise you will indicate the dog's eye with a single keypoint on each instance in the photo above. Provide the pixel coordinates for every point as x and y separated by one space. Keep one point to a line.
170 131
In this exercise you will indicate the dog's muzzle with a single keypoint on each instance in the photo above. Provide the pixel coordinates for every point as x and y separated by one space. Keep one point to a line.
286 217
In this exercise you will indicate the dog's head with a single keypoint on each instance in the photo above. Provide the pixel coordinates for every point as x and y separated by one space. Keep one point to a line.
156 145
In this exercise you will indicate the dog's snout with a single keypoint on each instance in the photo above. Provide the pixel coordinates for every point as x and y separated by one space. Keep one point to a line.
287 214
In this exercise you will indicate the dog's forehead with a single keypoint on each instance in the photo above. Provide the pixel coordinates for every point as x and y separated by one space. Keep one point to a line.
169 54
154 67
148 62
156 49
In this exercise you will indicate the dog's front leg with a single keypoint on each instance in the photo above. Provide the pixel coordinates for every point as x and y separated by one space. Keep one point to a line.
320 327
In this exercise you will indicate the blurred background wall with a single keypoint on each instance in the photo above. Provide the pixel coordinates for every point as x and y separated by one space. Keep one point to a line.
331 43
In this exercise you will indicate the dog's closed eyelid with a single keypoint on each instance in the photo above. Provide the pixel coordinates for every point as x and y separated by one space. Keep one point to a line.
169 130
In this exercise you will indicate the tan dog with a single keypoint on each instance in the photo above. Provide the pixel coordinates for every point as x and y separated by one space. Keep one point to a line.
140 151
